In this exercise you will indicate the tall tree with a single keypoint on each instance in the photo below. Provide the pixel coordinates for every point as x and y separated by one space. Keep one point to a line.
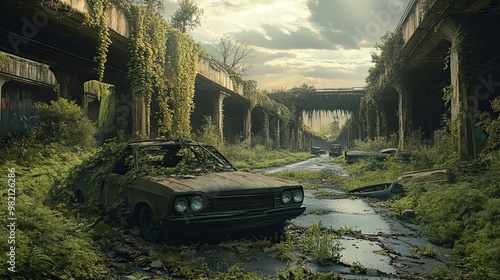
187 16
234 54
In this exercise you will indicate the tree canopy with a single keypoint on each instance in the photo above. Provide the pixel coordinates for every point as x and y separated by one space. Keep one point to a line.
187 17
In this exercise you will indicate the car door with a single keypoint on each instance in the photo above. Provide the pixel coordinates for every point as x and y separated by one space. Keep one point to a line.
115 182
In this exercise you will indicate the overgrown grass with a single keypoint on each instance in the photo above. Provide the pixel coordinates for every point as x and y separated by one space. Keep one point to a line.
47 244
248 158
321 245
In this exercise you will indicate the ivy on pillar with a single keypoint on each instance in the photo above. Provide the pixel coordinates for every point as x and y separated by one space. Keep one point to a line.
139 113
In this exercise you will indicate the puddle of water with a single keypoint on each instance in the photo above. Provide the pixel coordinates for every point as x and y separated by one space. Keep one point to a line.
363 251
353 213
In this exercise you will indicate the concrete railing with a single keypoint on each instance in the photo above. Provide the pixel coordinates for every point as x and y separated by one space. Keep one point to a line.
216 73
27 71
340 91
415 12
117 21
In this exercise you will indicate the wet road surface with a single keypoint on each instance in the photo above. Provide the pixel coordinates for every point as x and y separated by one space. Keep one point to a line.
381 243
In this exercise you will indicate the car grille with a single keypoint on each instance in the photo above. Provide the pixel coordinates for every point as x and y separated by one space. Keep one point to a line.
240 203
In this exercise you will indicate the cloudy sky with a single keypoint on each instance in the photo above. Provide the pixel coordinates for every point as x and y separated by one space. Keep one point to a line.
321 43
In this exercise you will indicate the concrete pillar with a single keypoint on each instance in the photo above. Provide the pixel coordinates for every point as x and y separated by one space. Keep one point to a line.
70 84
461 118
274 128
217 111
139 117
2 82
404 111
123 109
247 123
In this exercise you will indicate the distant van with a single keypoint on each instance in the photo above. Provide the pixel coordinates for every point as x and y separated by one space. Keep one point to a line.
335 150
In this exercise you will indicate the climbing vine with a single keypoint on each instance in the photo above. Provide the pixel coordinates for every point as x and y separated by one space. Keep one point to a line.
4 59
162 69
98 18
99 88
181 70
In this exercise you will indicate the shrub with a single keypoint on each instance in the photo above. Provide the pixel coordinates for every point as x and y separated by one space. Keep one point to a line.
63 122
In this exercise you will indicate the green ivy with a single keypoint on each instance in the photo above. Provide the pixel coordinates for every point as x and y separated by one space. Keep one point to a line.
4 59
98 18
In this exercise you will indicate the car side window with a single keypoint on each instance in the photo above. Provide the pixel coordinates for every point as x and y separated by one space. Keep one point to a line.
124 164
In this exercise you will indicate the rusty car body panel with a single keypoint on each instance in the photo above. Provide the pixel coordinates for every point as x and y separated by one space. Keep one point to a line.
380 191
426 176
388 189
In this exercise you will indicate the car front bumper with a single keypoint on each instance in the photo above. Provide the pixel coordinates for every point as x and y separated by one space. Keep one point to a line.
239 220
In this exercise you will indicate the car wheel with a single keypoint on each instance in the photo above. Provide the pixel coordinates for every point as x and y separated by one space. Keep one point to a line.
147 225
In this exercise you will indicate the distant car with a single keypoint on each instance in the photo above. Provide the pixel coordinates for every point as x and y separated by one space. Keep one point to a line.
353 156
317 151
335 150
184 186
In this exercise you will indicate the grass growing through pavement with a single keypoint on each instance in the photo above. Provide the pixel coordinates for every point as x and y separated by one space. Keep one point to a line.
248 158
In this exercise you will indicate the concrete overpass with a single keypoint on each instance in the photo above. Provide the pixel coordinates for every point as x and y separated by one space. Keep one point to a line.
447 44
57 37
345 99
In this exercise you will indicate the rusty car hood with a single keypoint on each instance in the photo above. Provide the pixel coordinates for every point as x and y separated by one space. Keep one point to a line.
222 182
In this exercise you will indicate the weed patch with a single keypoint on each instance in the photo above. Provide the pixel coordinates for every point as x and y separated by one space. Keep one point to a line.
321 245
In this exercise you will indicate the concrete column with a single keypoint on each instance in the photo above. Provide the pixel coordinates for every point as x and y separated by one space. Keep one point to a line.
2 82
139 117
123 109
247 123
217 111
404 111
70 84
461 119
274 128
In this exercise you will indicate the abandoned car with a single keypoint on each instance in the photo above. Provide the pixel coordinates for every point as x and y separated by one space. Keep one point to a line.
171 186
353 156
388 189
381 191
317 151
335 150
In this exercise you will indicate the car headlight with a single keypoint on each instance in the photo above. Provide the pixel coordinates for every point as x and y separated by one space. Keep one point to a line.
181 205
286 197
197 203
298 196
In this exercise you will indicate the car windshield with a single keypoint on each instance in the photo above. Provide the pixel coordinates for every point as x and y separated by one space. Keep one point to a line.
185 159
